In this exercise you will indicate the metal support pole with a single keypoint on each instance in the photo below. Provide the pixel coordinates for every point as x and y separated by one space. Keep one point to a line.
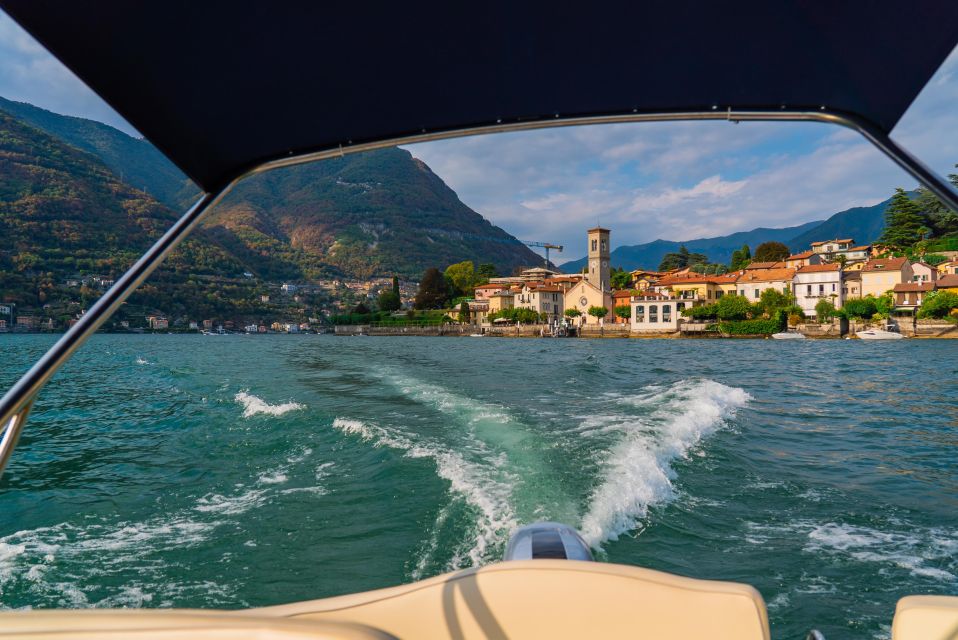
16 403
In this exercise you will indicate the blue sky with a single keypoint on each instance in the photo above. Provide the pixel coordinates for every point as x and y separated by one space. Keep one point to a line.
676 181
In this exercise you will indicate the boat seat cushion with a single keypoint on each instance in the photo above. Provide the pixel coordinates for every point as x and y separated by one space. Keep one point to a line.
145 624
551 599
926 618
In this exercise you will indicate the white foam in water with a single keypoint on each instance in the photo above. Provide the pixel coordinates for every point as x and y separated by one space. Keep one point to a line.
231 505
638 471
479 485
142 361
254 406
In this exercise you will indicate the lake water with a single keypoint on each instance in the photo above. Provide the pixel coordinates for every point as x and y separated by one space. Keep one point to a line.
209 471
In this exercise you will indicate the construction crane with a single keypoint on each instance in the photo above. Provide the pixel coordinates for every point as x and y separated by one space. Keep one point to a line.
544 245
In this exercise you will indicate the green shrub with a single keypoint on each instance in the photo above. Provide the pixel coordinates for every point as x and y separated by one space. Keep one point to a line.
623 311
938 304
760 326
732 307
859 308
824 310
701 312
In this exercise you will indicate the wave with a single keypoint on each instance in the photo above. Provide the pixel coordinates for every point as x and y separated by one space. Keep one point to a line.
479 485
638 470
143 361
253 405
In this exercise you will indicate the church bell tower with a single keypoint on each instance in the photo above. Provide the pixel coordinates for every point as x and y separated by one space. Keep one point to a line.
598 274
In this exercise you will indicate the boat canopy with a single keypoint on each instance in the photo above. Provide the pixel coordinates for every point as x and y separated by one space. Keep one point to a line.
222 87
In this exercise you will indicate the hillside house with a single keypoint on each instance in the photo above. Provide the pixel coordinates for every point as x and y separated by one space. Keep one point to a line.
880 275
816 282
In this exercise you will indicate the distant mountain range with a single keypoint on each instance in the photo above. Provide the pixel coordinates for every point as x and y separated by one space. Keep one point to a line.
373 214
864 224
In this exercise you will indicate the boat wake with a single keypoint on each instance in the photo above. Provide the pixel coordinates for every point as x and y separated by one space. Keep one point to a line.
253 405
670 422
481 486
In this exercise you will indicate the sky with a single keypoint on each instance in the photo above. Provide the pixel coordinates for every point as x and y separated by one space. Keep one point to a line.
644 181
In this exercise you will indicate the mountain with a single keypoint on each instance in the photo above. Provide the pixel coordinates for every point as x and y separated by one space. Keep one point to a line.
374 213
718 249
864 224
63 212
134 160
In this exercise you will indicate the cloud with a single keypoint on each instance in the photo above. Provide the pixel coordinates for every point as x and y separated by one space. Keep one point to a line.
28 73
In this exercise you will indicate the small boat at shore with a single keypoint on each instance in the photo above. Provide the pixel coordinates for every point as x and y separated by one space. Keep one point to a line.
879 334
788 335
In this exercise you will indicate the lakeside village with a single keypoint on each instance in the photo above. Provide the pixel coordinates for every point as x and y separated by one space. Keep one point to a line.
832 288
813 291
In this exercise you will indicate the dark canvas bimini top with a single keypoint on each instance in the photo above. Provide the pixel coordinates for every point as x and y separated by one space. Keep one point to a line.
223 86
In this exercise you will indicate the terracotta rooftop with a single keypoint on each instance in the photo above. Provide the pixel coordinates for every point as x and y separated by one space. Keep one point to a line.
818 268
836 241
905 287
549 289
767 275
802 255
765 265
490 286
885 264
948 282
864 247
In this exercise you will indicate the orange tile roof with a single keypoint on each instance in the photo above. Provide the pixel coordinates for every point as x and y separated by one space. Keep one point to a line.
906 287
818 268
767 275
490 286
864 247
885 264
947 282
837 241
550 289
766 265
801 256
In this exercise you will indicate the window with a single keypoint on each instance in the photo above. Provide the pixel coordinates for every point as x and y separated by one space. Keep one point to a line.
833 287
603 245
821 289
594 243
742 293
719 294
758 294
680 307
809 291
653 313
666 313
640 313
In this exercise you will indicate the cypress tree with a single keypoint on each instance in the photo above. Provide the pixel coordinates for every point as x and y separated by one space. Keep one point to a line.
903 221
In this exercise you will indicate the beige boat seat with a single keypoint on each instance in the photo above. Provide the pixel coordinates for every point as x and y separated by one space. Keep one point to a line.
183 624
926 618
550 599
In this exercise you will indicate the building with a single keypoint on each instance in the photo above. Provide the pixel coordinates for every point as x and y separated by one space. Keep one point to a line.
753 282
598 273
543 299
852 284
923 272
595 290
622 298
815 282
948 283
803 259
27 322
656 312
948 268
880 275
157 322
501 300
909 295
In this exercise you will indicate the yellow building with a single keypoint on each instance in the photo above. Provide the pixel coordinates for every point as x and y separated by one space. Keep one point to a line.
584 295
880 275
501 300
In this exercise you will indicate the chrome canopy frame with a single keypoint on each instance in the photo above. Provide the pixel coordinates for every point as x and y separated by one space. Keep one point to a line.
16 403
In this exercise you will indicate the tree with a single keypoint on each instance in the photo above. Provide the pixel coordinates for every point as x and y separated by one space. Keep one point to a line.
732 307
486 270
842 260
771 252
859 308
824 310
598 312
623 311
572 313
620 279
462 275
464 312
361 309
388 301
681 259
740 258
772 300
941 219
433 293
903 221
938 304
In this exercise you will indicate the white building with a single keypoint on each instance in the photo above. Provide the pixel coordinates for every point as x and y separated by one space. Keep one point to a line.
657 313
815 282
543 299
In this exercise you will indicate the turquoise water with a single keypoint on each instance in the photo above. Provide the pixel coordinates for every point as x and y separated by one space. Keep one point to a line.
208 471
